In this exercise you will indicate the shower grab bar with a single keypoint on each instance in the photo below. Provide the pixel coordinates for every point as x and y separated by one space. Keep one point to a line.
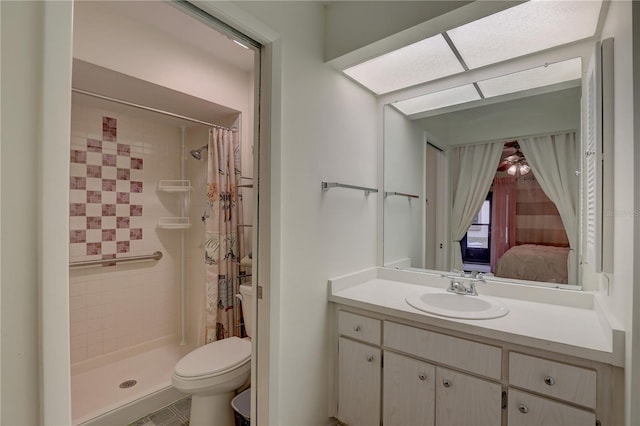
155 256
402 194
328 185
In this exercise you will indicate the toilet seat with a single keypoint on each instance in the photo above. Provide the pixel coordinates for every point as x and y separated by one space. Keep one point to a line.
214 359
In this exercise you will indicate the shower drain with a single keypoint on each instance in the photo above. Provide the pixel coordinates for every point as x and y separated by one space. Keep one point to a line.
128 384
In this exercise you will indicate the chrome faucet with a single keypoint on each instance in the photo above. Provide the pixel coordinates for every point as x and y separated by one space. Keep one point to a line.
457 286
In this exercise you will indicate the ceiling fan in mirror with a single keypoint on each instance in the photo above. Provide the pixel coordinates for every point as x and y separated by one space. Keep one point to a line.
513 161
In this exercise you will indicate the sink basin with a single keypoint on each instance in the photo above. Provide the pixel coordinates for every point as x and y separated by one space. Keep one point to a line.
457 305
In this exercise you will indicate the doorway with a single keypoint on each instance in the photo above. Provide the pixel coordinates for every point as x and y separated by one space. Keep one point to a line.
194 69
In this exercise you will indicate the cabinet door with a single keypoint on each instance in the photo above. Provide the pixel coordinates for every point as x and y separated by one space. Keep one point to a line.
358 383
465 400
530 410
408 394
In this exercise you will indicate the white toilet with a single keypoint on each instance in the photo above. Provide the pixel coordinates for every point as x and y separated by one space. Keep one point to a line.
212 373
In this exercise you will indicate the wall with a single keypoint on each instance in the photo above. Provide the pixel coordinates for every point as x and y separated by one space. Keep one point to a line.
115 208
403 172
619 296
328 127
21 74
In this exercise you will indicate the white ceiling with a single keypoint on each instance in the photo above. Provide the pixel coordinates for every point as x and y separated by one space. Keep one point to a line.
169 19
507 36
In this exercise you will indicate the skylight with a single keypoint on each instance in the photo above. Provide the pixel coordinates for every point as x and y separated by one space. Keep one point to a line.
441 99
520 30
416 63
533 78
529 27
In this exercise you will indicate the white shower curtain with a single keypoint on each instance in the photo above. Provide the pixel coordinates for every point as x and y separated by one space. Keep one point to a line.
554 162
473 170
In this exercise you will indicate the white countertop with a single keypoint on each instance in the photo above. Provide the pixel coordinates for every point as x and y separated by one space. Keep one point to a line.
581 330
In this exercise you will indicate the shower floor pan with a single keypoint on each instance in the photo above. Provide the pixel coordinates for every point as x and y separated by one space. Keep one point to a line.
106 395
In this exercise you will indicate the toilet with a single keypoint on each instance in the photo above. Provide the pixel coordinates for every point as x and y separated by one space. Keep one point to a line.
212 373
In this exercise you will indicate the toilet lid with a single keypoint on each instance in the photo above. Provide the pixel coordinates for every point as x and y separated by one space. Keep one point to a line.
214 357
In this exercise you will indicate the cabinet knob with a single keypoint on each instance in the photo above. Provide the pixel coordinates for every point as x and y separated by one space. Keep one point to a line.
422 376
549 380
523 409
369 358
446 383
357 328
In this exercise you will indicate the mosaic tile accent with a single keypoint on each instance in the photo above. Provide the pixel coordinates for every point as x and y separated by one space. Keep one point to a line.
78 156
94 196
109 129
122 221
101 185
78 209
108 210
109 160
94 249
124 149
94 145
123 246
108 235
94 222
136 163
124 174
77 182
136 187
108 184
122 198
78 236
94 171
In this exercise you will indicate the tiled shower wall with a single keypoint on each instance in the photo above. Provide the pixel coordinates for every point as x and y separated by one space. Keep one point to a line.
117 160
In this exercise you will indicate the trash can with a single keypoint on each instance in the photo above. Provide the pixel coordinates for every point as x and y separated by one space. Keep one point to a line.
241 405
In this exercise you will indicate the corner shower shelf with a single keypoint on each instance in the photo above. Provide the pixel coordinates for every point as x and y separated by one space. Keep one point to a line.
174 223
174 185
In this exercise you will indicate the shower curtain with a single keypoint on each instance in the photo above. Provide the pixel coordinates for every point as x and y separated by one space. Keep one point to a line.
222 235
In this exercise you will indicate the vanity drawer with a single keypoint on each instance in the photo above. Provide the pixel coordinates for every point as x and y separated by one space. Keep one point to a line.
359 327
526 409
562 381
471 356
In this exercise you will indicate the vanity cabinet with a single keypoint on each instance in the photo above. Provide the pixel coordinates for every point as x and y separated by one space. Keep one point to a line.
359 383
560 383
418 393
395 374
359 363
409 392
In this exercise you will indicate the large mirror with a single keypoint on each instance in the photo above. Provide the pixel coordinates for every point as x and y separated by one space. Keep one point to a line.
486 122
473 161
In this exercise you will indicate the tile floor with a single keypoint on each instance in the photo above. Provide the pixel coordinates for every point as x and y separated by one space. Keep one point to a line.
176 414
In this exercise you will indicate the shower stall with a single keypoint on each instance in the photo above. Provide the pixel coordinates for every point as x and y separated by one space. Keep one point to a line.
137 196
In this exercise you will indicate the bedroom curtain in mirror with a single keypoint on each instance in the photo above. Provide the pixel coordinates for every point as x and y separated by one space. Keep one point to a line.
554 162
473 170
222 234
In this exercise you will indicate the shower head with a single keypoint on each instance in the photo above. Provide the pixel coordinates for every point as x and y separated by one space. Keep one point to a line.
197 153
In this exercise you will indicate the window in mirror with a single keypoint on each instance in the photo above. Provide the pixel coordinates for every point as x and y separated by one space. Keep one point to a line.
476 243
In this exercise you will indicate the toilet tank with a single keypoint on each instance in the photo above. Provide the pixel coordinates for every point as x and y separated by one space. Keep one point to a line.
246 297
